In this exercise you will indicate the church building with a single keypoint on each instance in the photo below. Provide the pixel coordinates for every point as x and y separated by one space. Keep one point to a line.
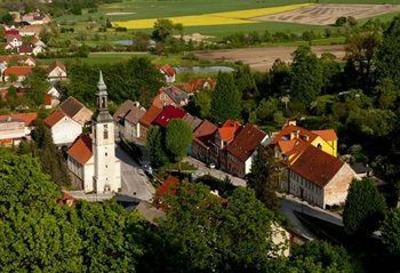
91 158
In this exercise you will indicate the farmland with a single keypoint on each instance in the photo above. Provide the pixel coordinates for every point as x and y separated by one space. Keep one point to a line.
220 18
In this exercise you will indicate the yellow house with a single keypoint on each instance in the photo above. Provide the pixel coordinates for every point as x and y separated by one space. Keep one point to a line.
292 140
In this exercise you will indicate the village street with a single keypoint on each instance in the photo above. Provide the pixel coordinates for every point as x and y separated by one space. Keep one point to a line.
135 183
203 169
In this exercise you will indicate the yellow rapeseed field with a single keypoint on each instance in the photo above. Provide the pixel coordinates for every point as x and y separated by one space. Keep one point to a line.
212 19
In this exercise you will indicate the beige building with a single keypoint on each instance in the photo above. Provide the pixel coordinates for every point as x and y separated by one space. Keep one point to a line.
16 127
319 178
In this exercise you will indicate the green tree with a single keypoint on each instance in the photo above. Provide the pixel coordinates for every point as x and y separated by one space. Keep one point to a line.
226 101
318 256
155 146
32 240
245 82
110 237
51 158
22 182
391 232
163 29
307 77
388 94
37 81
264 177
388 55
178 138
208 234
364 210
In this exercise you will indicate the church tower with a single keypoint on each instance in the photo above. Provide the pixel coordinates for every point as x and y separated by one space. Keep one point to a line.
107 172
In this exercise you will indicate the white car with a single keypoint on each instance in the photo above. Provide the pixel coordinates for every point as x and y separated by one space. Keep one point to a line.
211 166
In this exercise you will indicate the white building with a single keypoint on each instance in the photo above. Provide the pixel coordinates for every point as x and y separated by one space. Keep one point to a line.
92 160
16 127
64 129
57 72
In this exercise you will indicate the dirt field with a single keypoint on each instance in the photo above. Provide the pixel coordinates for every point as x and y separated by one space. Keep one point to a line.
326 14
262 59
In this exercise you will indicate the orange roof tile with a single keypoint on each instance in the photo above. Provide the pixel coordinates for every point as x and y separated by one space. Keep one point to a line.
18 70
27 118
81 149
228 131
204 132
168 70
54 118
327 135
151 114
316 166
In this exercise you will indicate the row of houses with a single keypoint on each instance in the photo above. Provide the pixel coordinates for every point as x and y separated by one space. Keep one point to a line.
25 40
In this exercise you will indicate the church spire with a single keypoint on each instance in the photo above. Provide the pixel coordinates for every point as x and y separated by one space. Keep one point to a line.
102 100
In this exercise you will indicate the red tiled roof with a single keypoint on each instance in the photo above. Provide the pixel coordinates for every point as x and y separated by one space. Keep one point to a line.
54 118
47 99
10 37
25 49
81 149
204 132
168 70
18 70
151 114
168 113
167 187
316 166
27 118
228 131
327 135
246 142
11 31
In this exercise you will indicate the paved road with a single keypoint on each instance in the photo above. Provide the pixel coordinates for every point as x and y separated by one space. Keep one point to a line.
202 169
134 181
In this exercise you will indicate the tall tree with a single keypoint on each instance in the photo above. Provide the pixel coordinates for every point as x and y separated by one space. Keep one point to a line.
226 102
364 210
391 232
388 55
178 138
360 53
264 177
155 146
245 82
51 159
307 75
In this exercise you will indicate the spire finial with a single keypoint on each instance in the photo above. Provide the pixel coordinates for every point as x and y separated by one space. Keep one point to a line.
101 85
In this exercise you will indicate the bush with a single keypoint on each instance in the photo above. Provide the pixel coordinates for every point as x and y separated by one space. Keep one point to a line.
341 21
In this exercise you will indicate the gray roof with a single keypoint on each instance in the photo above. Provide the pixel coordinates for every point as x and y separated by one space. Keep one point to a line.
176 94
192 121
129 111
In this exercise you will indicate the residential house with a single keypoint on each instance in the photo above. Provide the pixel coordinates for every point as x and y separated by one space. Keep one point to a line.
192 121
167 114
171 95
169 73
76 111
242 150
20 73
292 139
314 173
319 178
14 41
16 127
35 18
64 129
127 118
194 86
57 72
202 140
147 119
9 60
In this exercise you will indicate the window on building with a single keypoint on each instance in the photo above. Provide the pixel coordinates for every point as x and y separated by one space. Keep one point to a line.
105 133
319 146
106 154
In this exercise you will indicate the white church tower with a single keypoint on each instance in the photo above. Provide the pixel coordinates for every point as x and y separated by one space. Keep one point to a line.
107 170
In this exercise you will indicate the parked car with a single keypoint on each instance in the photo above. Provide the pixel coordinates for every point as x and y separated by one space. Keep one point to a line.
211 166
